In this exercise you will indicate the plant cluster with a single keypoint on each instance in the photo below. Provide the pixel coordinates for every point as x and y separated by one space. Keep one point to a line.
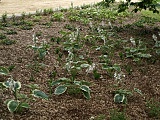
19 101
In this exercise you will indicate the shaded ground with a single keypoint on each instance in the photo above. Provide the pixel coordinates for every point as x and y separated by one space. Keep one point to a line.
144 75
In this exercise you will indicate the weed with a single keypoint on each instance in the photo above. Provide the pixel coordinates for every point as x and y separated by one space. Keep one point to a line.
47 11
11 32
26 25
13 18
57 17
23 15
37 18
153 108
116 115
2 36
128 68
96 74
4 18
38 12
7 41
56 39
70 27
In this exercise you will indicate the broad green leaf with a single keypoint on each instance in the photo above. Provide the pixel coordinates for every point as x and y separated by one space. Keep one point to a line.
132 50
86 94
77 82
84 65
6 84
40 94
6 101
85 88
119 98
33 86
60 90
56 82
12 105
17 85
24 105
4 71
144 55
138 91
157 44
158 51
64 79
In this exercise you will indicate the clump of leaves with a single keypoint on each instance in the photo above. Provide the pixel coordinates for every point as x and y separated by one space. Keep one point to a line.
11 32
157 43
4 18
19 101
121 96
57 16
138 51
7 41
65 83
2 36
41 49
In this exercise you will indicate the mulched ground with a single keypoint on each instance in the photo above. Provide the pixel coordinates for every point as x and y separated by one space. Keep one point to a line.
145 76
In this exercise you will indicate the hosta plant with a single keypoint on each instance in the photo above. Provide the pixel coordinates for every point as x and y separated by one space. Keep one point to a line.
65 83
41 49
121 96
19 101
138 51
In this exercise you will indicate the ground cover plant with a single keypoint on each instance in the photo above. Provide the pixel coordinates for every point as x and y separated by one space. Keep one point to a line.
92 63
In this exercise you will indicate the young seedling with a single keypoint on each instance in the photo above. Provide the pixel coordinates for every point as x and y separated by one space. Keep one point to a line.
57 17
153 109
4 18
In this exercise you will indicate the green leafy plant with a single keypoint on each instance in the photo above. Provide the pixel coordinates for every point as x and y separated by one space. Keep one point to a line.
47 11
19 101
153 108
4 18
38 12
57 17
2 36
157 43
23 15
11 32
35 67
121 96
36 18
7 41
137 52
65 83
26 25
116 115
41 49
